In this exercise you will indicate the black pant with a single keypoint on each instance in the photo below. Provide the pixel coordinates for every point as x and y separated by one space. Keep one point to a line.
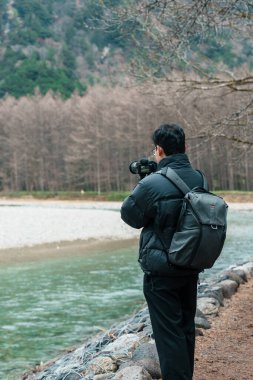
172 306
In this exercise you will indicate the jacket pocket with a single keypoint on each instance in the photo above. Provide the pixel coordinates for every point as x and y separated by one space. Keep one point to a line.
154 261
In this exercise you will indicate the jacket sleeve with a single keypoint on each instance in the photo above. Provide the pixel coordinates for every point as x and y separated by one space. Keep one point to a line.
136 209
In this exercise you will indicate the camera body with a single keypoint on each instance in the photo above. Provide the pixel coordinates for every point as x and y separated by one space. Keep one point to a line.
143 167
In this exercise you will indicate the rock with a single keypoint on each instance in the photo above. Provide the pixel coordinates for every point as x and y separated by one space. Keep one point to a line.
69 376
101 365
213 292
198 332
132 373
208 306
122 347
217 293
105 339
203 286
200 320
133 328
230 275
241 273
146 356
249 267
146 350
148 331
246 270
199 314
142 315
228 287
202 323
151 366
105 376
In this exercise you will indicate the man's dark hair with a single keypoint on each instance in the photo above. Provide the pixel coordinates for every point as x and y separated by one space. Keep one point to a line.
170 137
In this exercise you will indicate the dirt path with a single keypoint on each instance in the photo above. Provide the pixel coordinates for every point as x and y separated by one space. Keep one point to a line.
225 352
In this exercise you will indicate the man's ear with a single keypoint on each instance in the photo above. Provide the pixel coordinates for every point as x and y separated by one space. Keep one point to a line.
160 151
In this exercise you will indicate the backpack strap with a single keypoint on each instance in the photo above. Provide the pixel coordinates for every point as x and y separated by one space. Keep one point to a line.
172 176
176 180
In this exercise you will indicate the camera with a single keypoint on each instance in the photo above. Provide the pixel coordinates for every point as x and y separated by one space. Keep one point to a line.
143 167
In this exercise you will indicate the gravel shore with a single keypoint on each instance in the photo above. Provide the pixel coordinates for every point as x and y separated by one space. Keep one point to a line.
36 230
31 222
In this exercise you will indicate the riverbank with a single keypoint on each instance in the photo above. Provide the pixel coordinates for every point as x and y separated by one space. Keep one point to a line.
63 249
31 223
37 230
127 350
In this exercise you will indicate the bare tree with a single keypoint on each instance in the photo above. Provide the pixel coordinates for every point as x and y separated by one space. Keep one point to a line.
165 32
86 143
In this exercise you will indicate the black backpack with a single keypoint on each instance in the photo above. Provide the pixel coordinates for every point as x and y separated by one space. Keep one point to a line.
201 228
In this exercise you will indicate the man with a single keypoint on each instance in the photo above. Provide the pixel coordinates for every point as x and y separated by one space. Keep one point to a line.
170 291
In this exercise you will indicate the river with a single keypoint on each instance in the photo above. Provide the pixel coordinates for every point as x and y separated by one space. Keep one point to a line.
54 302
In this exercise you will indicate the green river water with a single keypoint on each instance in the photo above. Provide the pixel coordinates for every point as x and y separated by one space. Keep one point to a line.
49 305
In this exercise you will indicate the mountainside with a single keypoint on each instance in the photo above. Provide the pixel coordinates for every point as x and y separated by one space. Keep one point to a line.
54 44
63 45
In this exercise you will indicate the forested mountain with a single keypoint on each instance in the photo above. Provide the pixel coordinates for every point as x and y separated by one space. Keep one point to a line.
55 44
64 45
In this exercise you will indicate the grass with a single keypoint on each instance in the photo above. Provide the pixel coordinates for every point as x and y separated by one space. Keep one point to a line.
236 195
65 195
231 195
234 192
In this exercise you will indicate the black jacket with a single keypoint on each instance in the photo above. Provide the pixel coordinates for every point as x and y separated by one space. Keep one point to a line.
155 204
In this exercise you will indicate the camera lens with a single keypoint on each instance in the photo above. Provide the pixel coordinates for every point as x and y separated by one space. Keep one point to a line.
134 167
